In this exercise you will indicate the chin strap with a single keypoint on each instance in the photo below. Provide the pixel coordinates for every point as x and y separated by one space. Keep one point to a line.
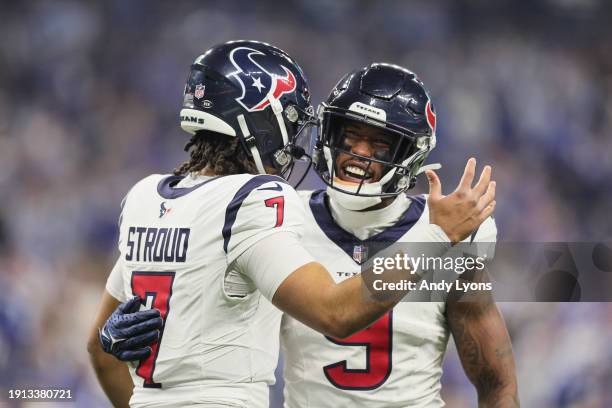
358 203
350 201
277 108
251 144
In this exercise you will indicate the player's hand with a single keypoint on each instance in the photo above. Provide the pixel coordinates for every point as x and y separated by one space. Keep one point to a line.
462 211
128 332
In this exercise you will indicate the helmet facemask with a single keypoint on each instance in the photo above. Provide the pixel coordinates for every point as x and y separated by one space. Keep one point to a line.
392 100
400 156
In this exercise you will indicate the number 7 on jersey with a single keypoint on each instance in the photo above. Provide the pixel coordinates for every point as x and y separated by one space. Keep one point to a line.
279 204
158 286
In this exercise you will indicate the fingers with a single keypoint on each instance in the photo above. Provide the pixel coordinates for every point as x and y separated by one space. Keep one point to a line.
130 306
466 208
488 211
468 175
131 319
138 317
139 328
435 187
134 355
487 197
483 182
145 339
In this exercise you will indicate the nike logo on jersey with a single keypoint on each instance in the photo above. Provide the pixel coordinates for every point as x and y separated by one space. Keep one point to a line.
277 188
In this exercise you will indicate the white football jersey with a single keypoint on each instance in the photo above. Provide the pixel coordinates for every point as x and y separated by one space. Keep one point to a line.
219 343
397 361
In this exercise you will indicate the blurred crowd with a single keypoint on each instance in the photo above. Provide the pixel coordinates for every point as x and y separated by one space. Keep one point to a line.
89 100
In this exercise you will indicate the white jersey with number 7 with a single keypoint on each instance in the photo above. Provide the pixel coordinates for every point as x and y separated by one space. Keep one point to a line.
181 239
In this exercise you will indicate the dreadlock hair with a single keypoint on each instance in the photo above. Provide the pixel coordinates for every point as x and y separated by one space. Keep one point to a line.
223 154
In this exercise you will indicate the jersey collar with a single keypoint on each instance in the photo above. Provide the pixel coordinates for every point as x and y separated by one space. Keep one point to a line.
168 190
350 243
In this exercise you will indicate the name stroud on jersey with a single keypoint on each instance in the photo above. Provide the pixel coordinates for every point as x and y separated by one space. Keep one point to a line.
157 244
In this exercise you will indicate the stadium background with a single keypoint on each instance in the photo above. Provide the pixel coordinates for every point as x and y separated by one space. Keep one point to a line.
89 100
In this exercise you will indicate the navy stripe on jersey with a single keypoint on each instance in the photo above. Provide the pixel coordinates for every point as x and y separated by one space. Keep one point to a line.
376 243
166 188
474 234
236 203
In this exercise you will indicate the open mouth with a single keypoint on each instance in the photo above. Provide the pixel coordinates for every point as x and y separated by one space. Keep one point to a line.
355 172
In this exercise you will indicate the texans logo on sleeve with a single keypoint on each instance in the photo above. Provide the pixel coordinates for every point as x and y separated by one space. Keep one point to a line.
256 82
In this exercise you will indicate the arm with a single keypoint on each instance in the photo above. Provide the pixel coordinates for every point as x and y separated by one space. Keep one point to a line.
112 374
286 274
484 348
339 310
311 296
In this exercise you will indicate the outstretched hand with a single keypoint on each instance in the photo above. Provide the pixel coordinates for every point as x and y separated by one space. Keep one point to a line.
461 212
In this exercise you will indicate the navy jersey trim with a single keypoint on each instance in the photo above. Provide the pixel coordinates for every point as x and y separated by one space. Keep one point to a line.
232 209
473 236
166 189
347 241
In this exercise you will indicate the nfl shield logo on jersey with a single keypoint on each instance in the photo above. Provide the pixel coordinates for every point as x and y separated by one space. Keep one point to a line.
199 91
360 253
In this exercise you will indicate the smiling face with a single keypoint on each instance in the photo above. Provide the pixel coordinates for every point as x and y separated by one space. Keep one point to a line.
367 141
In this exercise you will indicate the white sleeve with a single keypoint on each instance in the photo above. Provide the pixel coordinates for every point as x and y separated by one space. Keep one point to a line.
266 205
271 260
114 283
485 239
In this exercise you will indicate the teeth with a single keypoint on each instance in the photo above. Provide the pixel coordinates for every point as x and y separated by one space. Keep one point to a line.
355 170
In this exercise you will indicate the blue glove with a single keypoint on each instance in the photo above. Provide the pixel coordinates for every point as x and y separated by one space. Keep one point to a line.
128 332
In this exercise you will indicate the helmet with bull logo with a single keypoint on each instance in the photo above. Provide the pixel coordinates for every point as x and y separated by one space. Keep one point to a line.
252 91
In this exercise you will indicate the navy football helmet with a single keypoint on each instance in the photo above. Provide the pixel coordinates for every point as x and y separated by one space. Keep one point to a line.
253 91
391 99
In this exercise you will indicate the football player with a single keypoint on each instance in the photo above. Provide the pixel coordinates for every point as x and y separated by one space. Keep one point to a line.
204 248
377 127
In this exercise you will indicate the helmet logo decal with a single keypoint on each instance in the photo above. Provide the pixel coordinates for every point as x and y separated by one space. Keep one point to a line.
256 82
431 117
199 91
